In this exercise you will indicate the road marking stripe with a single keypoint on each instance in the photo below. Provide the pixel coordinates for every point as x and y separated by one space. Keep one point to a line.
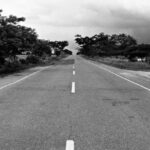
73 87
120 76
73 67
70 145
12 83
74 72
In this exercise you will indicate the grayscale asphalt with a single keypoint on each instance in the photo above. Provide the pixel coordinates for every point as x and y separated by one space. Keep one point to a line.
105 112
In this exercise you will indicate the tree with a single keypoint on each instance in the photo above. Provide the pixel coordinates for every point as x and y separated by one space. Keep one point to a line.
67 51
15 38
122 41
42 47
94 45
28 37
84 43
58 46
62 44
104 45
141 51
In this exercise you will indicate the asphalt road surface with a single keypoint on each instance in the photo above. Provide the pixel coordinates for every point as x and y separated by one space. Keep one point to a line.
79 101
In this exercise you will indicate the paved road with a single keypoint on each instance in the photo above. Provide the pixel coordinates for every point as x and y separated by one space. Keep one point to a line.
105 112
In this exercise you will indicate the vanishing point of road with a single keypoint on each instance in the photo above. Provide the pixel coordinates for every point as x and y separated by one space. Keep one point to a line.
75 105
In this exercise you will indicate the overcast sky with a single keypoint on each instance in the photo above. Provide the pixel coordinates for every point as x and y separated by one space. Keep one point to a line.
62 19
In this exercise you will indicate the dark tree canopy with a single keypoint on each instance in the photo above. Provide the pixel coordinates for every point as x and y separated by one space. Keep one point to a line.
16 39
105 45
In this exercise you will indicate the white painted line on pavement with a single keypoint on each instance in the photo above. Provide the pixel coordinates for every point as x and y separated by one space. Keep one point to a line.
12 83
70 145
73 87
74 72
73 67
120 76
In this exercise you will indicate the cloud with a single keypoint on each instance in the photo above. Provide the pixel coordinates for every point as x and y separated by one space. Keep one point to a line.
58 19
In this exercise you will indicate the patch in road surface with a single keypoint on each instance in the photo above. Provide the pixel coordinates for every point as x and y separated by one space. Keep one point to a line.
131 118
120 103
107 99
51 70
134 99
116 102
66 62
35 141
39 89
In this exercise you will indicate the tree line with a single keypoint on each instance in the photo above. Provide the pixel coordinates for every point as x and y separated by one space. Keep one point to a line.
16 39
112 45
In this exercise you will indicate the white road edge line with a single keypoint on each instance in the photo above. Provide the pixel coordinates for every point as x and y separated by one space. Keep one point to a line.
120 76
73 87
32 74
74 72
70 145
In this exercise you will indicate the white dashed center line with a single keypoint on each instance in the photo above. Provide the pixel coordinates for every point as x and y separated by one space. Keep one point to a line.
73 67
74 72
73 87
70 145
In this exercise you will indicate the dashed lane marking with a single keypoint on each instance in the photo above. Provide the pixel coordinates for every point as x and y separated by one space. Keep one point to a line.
73 87
70 145
74 72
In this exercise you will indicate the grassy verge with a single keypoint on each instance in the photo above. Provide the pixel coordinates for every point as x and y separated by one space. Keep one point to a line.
121 63
15 67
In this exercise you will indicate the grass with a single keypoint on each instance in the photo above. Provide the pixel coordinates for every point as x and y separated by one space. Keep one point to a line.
122 63
10 68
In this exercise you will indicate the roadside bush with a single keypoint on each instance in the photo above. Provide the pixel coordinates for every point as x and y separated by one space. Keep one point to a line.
68 52
58 53
23 61
78 53
2 61
124 64
32 59
148 60
11 67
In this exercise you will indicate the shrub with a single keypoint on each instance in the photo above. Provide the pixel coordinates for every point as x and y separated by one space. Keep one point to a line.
23 61
32 59
78 53
68 52
11 67
2 61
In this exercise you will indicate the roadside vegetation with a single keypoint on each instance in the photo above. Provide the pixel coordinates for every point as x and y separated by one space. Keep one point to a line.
120 50
20 47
